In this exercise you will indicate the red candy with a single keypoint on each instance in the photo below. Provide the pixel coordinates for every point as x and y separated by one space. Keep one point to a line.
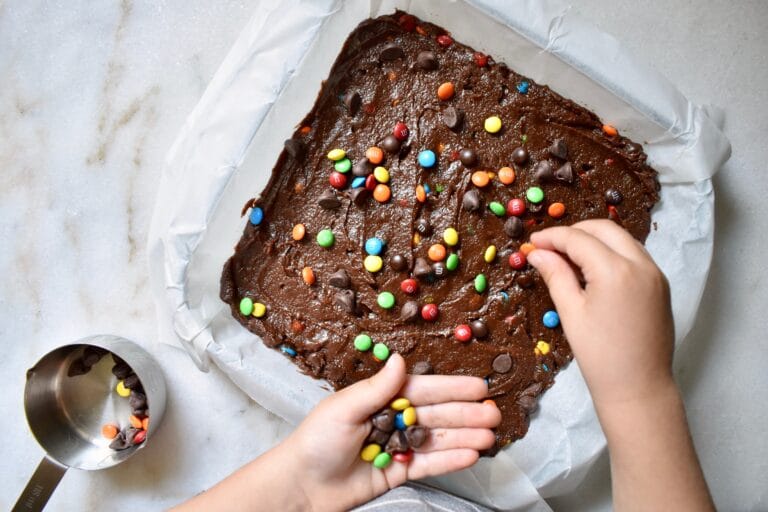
407 22
516 207
370 182
338 180
409 286
401 131
429 312
463 333
481 59
517 260
404 457
140 436
444 40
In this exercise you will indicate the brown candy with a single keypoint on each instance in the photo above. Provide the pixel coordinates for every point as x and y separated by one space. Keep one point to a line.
423 227
613 197
479 329
519 155
398 262
390 144
513 227
468 157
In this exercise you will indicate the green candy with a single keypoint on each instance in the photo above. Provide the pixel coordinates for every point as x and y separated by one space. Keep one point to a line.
343 165
382 460
481 283
363 342
452 263
246 306
534 195
386 300
325 238
497 208
381 352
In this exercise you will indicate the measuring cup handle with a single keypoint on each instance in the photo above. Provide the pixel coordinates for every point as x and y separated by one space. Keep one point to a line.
40 487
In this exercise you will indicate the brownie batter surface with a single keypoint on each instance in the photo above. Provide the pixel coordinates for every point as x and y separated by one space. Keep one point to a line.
381 78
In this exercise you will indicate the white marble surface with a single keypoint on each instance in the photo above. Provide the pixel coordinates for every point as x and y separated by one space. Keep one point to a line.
93 95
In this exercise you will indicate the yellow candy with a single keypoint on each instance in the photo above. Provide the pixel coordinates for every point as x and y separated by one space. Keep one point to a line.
492 124
451 236
490 253
370 452
122 390
542 347
416 239
373 263
259 309
409 416
400 404
381 174
336 154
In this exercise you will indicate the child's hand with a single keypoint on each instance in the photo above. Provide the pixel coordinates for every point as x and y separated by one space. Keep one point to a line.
619 324
325 448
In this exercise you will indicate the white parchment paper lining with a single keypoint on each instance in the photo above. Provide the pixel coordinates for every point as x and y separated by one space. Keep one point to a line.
268 81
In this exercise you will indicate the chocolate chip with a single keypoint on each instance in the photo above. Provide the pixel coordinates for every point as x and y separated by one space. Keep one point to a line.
295 148
78 367
328 200
452 117
119 443
559 149
426 61
398 262
345 299
528 403
132 381
565 173
504 70
352 101
634 147
340 279
542 171
359 195
422 368
520 155
137 400
416 435
391 52
421 268
385 420
121 370
397 442
378 436
130 433
390 144
479 329
439 269
90 358
404 150
513 227
139 413
613 196
362 167
423 227
471 200
524 280
410 311
534 389
535 207
502 363
468 157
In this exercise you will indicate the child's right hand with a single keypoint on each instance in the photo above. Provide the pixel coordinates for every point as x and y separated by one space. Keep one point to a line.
619 324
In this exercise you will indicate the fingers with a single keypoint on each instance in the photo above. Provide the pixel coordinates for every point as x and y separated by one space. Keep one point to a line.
615 237
459 414
564 287
430 464
435 389
450 438
360 400
586 251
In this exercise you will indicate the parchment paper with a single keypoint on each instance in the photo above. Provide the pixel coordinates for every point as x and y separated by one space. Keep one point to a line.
269 80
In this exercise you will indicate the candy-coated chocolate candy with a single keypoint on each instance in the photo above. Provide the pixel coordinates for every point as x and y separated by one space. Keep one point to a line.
444 40
400 131
374 246
517 260
481 283
382 460
534 195
610 130
551 319
497 208
427 158
325 238
381 174
370 183
337 180
436 252
409 286
523 87
542 347
145 423
135 421
374 155
421 194
403 457
452 262
336 154
373 263
556 210
343 165
308 275
381 193
507 175
358 181
520 155
516 207
289 351
256 216
139 437
246 306
400 404
122 390
463 333
430 312
259 309
363 342
480 179
399 422
526 248
380 352
445 91
451 236
298 232
409 416
481 59
490 253
492 124
479 329
613 196
110 431
369 453
386 300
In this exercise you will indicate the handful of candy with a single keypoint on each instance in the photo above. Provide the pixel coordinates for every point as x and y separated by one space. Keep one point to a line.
394 435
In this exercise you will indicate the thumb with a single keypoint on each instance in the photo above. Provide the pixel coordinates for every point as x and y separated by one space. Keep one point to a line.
362 399
564 287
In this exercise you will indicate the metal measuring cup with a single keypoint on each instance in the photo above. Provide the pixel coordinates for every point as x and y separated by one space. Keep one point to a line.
65 414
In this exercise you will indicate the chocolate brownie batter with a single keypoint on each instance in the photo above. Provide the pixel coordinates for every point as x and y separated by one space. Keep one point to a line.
382 92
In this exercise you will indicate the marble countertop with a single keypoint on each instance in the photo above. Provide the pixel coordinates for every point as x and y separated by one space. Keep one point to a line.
93 96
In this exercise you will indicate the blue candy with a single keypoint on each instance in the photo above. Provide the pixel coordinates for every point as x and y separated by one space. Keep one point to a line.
257 215
551 319
358 182
400 422
374 246
523 87
427 190
504 296
288 350
427 158
546 368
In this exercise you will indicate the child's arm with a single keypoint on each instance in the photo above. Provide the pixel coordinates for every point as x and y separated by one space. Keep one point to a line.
318 466
619 325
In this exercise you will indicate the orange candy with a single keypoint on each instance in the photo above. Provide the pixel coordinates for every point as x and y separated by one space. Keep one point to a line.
382 193
135 421
421 194
556 210
305 129
298 232
436 252
488 401
109 431
145 423
480 178
308 275
526 248
374 155
445 91
507 175
610 130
